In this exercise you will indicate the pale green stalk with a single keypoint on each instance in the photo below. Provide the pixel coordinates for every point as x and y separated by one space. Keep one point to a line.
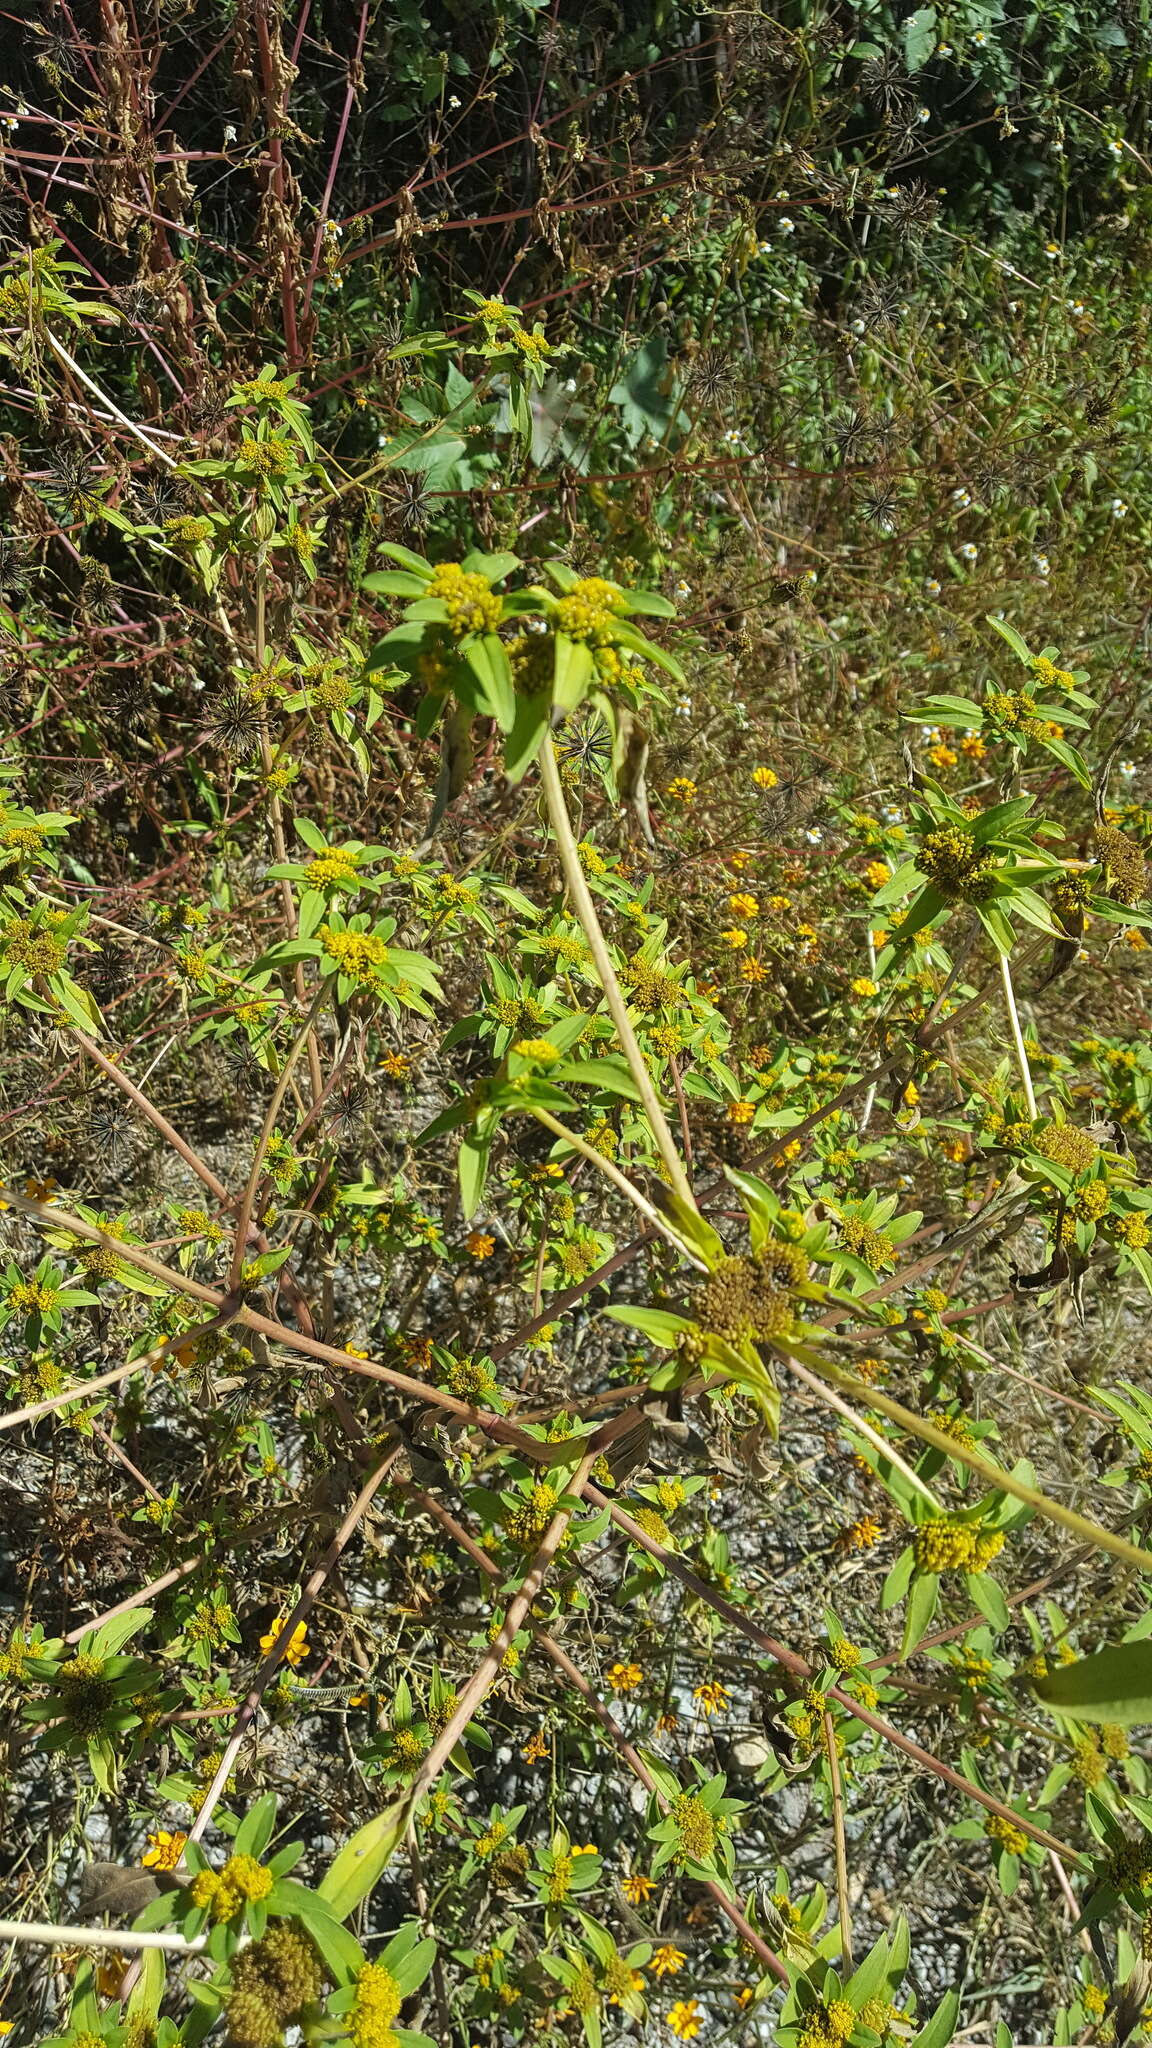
590 924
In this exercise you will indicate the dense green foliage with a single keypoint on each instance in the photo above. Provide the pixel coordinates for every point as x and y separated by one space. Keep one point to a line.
576 1116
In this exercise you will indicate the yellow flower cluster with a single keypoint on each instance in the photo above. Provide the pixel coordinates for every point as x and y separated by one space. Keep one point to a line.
337 865
947 1546
224 1892
586 611
358 955
469 599
378 2000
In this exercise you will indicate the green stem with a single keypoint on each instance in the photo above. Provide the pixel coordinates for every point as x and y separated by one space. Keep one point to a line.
586 912
916 1425
1017 1036
612 1172
244 1216
870 1435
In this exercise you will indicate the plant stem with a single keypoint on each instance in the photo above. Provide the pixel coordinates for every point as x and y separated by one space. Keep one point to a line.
994 1475
1017 1036
586 912
839 1840
612 1172
800 1668
47 1936
248 1202
870 1435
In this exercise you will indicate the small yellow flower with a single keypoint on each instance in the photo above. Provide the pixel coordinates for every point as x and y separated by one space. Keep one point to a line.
779 905
537 1049
637 1887
765 778
682 789
535 1748
713 1697
297 1648
753 971
860 1535
877 873
740 1112
624 1677
164 1850
685 2019
863 986
743 905
667 1960
735 938
479 1245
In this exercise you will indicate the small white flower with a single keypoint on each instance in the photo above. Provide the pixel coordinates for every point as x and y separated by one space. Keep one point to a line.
1127 770
333 229
923 113
943 49
809 576
932 586
786 225
763 248
683 707
933 735
1041 565
960 497
892 814
1115 149
979 40
536 625
681 591
1013 305
814 836
969 550
453 102
859 327
732 437
892 191
1058 147
1052 251
1119 509
229 134
1077 308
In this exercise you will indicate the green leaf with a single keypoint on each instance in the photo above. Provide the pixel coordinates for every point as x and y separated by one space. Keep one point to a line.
416 563
573 673
988 1596
395 583
523 742
942 2025
1112 1685
921 1607
658 1323
255 1830
645 395
363 1860
1010 634
609 1072
919 38
487 657
472 1167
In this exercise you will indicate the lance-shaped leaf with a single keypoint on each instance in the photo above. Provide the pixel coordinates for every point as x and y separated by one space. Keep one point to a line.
1112 1685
